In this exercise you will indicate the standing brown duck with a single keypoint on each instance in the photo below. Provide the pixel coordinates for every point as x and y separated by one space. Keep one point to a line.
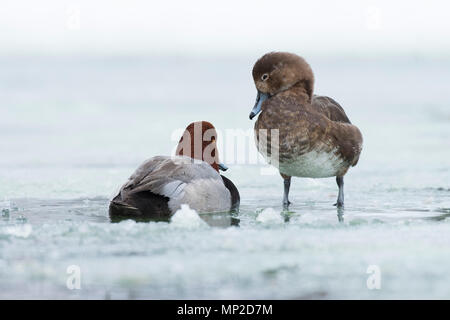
316 138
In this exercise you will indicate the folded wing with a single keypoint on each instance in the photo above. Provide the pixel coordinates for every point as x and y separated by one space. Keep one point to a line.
329 108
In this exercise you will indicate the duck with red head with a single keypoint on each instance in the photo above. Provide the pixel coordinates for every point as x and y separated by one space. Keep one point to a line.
159 187
199 142
316 138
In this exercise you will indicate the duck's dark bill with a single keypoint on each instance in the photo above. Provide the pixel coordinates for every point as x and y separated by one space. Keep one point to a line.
260 98
222 167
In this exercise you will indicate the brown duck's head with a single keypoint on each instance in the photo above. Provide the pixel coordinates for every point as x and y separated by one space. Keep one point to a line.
199 142
276 72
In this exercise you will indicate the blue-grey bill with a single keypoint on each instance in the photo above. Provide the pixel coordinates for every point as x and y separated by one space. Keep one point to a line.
260 98
222 167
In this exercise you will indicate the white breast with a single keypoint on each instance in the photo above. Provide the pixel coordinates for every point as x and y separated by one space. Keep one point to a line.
314 164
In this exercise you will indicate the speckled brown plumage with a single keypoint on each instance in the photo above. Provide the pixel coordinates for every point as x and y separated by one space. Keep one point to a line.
306 122
316 138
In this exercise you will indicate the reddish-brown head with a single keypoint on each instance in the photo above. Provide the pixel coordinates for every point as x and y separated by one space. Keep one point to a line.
199 142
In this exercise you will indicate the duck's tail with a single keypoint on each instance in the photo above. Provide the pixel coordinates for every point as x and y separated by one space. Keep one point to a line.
142 205
117 208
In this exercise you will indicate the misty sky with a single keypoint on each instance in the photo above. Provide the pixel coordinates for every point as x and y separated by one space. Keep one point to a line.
225 27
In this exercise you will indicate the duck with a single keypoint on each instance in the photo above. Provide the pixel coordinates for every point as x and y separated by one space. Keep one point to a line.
162 184
315 137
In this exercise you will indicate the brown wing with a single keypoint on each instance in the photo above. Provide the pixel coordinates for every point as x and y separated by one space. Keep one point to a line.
329 108
332 110
314 125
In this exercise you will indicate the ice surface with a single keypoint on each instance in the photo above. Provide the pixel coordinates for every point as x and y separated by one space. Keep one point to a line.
83 125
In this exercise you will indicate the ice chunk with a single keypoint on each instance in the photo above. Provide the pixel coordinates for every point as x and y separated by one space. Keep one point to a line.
270 216
187 218
21 231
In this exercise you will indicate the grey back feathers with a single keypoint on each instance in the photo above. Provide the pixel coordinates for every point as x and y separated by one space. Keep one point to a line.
183 181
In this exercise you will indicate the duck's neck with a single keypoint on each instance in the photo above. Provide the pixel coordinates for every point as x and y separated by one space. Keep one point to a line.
211 155
300 93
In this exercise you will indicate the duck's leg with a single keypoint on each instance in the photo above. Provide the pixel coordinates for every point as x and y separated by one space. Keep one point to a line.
340 200
287 186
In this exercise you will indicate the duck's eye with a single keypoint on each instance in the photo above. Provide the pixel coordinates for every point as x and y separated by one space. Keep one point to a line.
264 77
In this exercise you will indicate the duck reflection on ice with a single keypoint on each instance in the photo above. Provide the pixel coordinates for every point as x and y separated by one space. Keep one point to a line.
340 214
288 214
219 220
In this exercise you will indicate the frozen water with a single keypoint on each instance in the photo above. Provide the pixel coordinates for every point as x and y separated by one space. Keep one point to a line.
73 130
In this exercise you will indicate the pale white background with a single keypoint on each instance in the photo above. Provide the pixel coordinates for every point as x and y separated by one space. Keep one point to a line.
234 27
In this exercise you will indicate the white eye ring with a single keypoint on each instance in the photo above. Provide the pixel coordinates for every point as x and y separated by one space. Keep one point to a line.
264 77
